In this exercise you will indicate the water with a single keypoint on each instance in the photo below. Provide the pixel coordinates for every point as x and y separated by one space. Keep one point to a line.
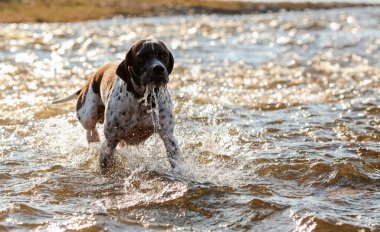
277 118
150 98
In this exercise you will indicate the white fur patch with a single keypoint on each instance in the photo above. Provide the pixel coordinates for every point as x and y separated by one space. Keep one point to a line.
89 110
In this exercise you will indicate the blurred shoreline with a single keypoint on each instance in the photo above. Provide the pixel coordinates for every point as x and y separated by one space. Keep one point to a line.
17 11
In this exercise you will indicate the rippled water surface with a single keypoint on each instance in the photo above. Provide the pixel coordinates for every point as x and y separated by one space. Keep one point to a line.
277 118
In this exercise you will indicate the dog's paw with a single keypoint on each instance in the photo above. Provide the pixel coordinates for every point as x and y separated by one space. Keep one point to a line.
177 167
105 164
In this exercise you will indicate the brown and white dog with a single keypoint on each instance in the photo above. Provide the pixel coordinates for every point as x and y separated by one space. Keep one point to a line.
125 96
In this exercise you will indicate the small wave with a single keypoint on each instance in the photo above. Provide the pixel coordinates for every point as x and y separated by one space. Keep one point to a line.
313 223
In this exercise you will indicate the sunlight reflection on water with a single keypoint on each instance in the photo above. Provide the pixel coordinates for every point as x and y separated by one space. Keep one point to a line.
277 116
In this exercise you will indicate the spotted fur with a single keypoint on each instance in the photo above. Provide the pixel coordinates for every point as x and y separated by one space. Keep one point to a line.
112 95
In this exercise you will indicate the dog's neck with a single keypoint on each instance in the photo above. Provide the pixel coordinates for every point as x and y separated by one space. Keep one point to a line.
136 89
140 89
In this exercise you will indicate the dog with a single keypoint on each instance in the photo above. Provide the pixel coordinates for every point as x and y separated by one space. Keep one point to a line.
132 100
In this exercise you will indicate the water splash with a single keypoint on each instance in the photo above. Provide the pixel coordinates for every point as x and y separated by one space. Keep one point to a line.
151 98
270 112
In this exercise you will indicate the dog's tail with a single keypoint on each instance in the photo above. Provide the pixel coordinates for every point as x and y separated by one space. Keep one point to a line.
66 99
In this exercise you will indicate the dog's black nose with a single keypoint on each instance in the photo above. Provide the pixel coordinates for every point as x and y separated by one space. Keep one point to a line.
158 69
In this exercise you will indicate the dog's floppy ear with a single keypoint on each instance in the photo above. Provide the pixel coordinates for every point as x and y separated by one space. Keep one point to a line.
171 63
122 69
171 58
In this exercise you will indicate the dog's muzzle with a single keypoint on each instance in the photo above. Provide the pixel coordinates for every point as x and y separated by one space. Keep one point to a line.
158 75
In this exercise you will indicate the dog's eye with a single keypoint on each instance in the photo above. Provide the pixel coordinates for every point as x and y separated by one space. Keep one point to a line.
141 55
163 55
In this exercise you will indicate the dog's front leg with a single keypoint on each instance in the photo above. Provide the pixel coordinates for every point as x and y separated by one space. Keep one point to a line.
105 159
166 132
172 149
167 135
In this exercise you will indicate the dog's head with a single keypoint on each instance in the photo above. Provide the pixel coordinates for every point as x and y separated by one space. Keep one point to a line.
147 62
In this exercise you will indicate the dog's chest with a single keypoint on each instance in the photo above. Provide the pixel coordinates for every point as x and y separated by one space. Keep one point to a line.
130 119
135 128
124 108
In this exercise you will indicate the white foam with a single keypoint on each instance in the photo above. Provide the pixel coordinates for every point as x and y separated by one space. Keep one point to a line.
208 155
144 99
154 111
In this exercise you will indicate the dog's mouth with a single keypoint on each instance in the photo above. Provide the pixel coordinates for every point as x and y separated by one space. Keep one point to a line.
152 94
149 78
149 83
157 80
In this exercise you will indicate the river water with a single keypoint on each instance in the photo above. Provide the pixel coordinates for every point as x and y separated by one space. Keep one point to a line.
277 116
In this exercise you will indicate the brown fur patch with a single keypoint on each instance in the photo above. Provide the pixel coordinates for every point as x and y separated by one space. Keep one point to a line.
97 84
109 76
82 94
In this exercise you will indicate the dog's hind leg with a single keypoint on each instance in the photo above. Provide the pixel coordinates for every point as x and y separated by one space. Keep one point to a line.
93 136
90 111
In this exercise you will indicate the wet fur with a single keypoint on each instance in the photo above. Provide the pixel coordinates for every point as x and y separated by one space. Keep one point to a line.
113 95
